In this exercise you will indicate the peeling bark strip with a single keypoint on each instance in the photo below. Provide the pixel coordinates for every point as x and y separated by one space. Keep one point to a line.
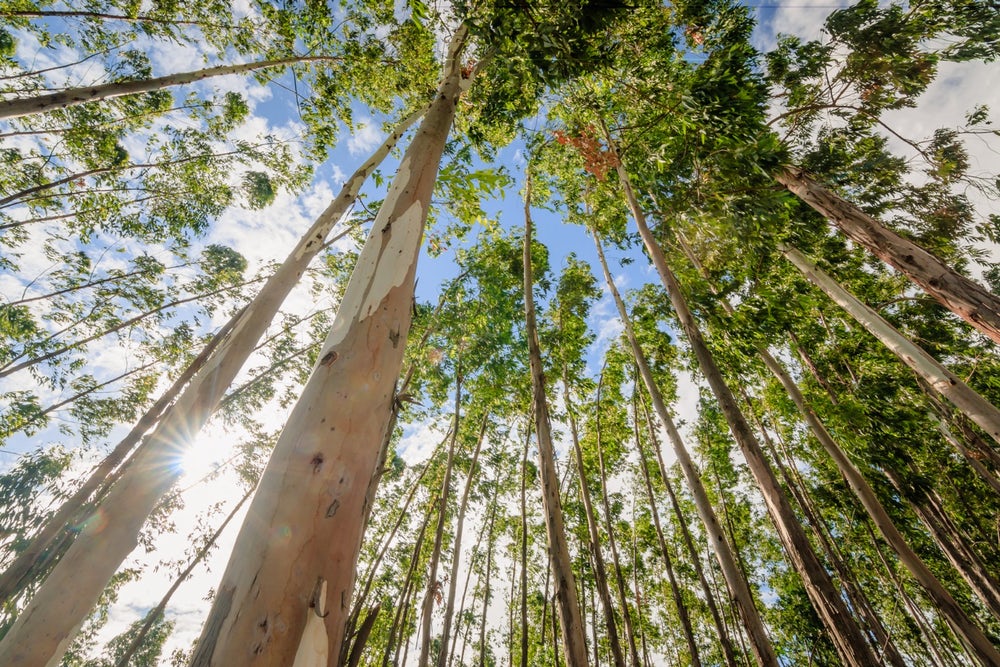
286 540
104 91
943 381
51 618
962 296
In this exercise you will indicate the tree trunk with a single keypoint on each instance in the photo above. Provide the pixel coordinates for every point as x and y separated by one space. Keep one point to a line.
612 542
402 607
362 637
727 645
962 296
48 623
565 584
826 599
487 580
682 611
600 572
433 591
524 554
946 383
739 589
457 545
73 96
266 611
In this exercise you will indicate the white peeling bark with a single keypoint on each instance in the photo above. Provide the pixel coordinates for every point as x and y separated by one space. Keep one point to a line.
943 381
304 527
51 619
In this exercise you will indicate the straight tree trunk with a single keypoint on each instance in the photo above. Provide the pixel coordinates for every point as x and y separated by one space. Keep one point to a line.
943 381
682 610
433 591
739 589
565 583
524 555
600 572
73 96
315 486
457 544
826 599
962 296
361 639
487 580
727 645
47 625
402 607
612 542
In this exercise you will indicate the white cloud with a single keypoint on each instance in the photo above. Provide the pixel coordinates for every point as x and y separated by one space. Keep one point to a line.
366 137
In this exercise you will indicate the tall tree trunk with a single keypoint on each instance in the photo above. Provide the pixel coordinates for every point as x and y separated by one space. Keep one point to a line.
49 622
73 96
487 580
433 590
361 639
600 572
946 383
739 589
682 610
724 639
612 542
565 583
316 483
457 544
523 591
826 599
402 607
962 296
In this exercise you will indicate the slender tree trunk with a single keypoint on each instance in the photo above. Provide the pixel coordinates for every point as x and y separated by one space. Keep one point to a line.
49 622
433 590
962 296
565 584
316 483
612 542
402 607
461 627
156 612
739 589
457 544
946 383
487 580
826 599
361 639
524 551
73 96
727 645
600 572
682 610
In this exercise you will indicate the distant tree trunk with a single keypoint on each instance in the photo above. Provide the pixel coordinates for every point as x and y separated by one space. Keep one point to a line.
433 590
48 623
402 607
361 639
456 548
946 383
962 296
73 96
523 591
565 583
600 572
156 612
316 483
720 627
612 542
682 610
487 581
826 599
739 589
